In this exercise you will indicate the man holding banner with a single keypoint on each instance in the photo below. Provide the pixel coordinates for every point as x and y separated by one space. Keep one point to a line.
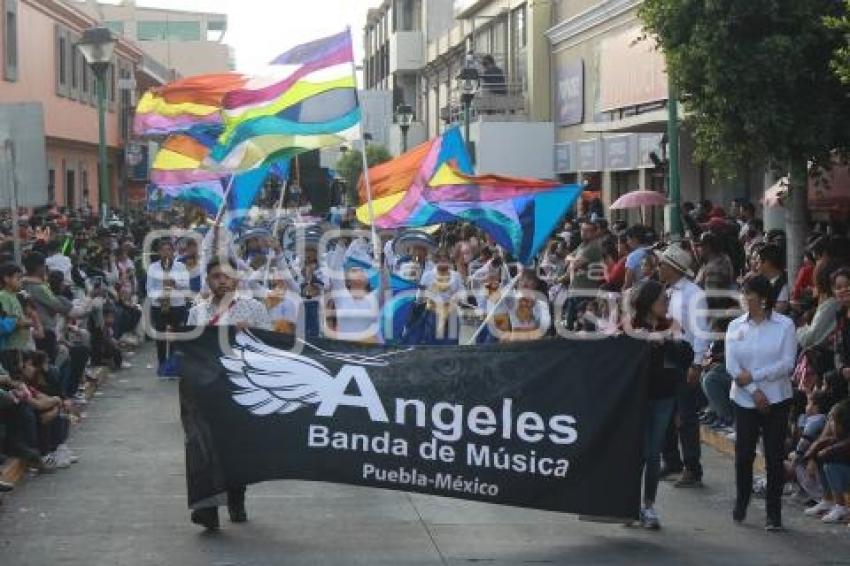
223 308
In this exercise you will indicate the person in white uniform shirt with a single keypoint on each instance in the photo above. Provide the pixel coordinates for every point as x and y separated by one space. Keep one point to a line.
167 289
687 307
761 349
352 309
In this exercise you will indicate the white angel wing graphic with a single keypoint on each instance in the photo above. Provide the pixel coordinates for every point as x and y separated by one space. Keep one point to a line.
273 381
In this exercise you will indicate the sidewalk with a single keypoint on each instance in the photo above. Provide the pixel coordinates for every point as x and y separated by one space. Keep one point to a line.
124 504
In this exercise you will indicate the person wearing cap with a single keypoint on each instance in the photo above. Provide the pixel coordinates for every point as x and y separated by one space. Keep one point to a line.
687 308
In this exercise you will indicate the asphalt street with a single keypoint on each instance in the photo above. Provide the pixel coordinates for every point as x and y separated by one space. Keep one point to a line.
124 503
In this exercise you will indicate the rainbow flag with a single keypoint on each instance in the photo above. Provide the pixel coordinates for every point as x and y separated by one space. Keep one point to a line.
307 101
179 159
184 104
520 214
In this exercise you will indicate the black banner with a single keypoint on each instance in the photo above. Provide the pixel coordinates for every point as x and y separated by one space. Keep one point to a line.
553 425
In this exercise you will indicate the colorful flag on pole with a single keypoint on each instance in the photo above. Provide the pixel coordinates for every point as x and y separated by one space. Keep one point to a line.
309 101
184 104
520 214
178 161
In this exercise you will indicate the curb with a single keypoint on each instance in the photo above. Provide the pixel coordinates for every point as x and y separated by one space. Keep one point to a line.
14 471
719 442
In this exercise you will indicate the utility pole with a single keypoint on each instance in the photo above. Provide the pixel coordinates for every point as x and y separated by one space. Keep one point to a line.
674 195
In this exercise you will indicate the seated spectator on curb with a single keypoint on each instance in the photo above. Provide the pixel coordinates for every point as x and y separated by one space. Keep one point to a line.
811 424
716 382
829 457
47 305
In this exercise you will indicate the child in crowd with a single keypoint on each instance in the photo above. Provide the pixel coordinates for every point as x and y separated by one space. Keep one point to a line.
811 424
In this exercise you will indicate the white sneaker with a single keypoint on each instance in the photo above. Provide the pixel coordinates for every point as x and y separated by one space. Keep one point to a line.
650 519
819 509
64 455
126 365
838 514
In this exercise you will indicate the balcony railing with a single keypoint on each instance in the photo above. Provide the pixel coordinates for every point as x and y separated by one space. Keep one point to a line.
493 102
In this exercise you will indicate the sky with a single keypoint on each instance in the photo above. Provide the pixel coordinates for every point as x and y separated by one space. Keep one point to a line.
259 30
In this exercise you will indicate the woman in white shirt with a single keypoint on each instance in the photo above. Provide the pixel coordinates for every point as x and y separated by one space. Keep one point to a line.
352 310
761 348
527 310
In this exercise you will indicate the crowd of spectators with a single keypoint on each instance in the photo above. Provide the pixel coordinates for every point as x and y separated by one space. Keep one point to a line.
65 303
737 344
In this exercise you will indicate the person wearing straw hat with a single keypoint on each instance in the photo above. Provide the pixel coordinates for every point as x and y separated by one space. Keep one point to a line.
414 246
687 309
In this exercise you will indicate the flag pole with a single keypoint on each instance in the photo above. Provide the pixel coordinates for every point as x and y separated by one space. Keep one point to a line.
275 228
376 243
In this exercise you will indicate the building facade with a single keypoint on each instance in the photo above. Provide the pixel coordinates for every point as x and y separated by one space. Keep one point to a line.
416 49
42 65
192 43
610 109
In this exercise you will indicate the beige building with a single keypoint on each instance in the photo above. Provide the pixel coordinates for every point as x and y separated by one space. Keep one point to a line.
192 43
417 49
610 108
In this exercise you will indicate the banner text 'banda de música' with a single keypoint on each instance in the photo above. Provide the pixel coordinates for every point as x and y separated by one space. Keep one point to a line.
554 424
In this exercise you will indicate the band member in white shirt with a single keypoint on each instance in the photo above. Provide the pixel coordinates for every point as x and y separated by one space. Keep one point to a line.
761 349
167 289
225 308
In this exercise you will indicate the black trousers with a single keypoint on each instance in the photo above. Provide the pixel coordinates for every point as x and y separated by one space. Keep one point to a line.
773 428
685 429
174 317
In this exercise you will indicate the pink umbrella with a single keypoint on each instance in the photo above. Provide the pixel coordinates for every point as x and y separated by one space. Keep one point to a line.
637 199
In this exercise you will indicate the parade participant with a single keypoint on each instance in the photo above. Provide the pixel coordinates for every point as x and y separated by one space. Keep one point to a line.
225 308
761 349
190 258
167 288
687 308
528 314
352 309
414 245
442 285
670 357
283 302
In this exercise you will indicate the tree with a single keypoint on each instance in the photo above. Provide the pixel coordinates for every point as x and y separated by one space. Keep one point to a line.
756 82
350 166
841 61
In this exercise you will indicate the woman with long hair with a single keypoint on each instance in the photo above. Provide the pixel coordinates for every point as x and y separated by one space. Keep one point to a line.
670 359
761 348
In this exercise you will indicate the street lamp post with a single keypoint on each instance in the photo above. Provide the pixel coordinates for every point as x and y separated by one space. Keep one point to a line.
469 83
404 117
97 46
